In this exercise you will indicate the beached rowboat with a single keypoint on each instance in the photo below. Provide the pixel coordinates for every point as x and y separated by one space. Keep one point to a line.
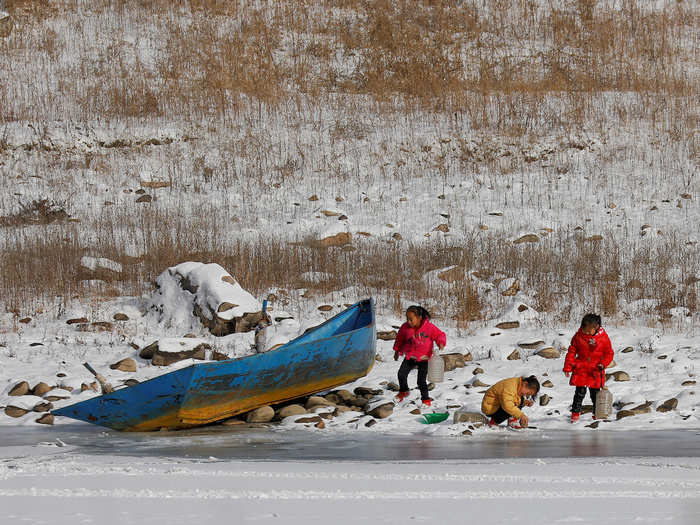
334 353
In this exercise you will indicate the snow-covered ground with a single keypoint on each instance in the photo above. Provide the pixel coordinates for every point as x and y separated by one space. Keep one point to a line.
659 366
51 483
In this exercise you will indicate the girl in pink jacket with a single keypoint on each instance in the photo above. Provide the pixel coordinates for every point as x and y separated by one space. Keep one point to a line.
415 342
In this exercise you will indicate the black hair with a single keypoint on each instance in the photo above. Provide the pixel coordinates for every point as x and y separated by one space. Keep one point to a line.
533 383
590 320
418 311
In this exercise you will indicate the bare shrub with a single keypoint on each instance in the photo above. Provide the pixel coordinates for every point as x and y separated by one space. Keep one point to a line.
37 211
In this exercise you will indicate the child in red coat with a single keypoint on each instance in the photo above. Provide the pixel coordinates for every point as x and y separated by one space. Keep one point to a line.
589 354
415 342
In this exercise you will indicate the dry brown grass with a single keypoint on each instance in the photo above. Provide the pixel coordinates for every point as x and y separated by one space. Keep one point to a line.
404 55
562 274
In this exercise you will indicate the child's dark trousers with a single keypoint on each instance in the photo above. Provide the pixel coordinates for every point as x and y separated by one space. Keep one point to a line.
580 394
405 368
500 415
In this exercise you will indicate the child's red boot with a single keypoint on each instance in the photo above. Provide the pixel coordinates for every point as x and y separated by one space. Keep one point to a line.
492 423
575 417
426 402
514 423
401 396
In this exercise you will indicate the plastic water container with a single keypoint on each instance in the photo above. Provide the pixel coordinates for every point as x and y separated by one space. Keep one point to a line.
436 368
603 403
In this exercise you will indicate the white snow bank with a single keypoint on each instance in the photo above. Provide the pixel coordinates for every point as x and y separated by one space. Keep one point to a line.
95 263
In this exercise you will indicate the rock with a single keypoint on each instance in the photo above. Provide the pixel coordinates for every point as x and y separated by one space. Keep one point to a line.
531 345
467 432
46 419
548 384
345 395
508 325
15 411
310 419
313 198
387 336
43 407
148 351
415 412
668 405
218 356
594 424
40 389
77 320
260 415
392 387
125 365
431 386
371 423
549 353
478 370
359 402
320 425
452 361
544 400
627 350
397 236
161 358
333 398
25 320
20 389
479 383
661 357
621 376
528 238
120 317
325 308
329 213
290 410
624 413
688 383
339 239
362 391
131 382
382 411
442 228
512 290
469 417
514 355
317 401
234 421
145 198
467 357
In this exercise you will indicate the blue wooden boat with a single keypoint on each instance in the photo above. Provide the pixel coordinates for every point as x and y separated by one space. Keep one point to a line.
334 353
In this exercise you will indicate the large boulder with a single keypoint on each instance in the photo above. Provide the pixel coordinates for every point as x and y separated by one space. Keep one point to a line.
217 299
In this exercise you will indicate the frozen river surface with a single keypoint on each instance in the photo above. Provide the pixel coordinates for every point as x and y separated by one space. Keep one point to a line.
253 444
83 474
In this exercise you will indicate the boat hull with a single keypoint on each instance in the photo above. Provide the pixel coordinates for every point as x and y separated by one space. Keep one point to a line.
339 351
